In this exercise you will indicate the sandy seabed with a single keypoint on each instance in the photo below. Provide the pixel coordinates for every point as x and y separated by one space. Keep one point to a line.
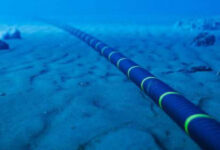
58 93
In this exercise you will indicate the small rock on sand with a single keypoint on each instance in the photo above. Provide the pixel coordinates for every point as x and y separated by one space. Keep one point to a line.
12 34
201 69
204 39
212 24
2 94
3 45
84 84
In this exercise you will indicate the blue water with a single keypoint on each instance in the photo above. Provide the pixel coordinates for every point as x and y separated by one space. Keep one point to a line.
57 93
110 10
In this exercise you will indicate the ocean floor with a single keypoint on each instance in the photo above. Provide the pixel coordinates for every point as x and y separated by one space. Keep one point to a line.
57 93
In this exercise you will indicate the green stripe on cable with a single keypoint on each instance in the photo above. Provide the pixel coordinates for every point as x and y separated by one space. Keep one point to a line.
191 118
118 62
103 49
109 56
145 79
163 95
131 68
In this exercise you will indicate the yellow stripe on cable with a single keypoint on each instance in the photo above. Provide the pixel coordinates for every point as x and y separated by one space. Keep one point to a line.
109 56
119 61
97 44
103 49
144 80
91 41
131 68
